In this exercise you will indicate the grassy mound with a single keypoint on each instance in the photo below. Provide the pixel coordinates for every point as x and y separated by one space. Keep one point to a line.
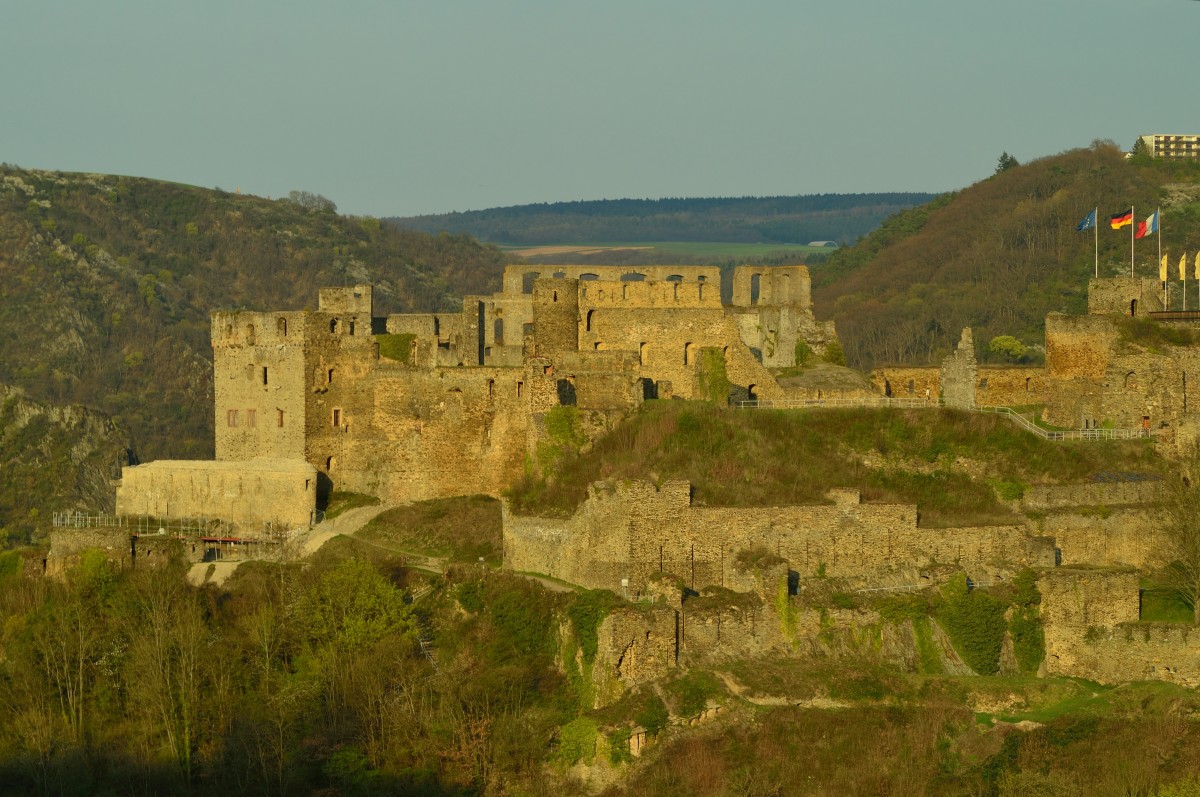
949 463
461 529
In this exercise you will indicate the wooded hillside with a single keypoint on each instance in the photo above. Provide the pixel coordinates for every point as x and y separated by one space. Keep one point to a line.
787 219
106 285
1000 254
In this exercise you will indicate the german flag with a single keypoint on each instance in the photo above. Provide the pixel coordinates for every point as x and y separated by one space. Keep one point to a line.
1119 220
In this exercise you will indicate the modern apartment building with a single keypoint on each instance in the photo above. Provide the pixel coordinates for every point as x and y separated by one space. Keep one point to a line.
1164 146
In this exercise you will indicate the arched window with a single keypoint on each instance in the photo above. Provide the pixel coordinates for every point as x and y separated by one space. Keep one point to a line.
333 326
755 288
351 330
588 321
281 327
644 352
689 353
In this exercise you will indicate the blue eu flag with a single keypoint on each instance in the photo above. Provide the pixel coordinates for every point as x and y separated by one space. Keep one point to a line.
1089 221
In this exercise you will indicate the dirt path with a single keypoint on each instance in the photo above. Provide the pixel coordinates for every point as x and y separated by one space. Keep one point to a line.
214 573
346 523
741 691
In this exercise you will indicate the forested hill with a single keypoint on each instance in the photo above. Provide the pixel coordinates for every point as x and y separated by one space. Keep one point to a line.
106 285
783 219
1000 254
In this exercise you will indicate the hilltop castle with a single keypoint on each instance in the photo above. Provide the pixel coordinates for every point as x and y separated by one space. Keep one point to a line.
419 406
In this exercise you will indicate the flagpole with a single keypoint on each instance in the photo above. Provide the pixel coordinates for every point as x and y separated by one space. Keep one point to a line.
1096 237
1133 214
1158 220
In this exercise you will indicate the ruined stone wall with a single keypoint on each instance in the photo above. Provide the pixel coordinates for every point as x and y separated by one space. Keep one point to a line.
1124 296
667 342
416 434
1106 537
634 646
68 545
248 493
1079 350
602 380
906 382
635 531
519 278
1092 494
1092 631
555 316
1015 386
356 302
777 285
439 338
959 374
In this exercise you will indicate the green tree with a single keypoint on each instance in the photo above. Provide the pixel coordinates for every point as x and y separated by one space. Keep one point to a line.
1006 162
1008 346
352 607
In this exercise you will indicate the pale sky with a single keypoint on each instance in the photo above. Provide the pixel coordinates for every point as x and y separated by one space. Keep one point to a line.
400 108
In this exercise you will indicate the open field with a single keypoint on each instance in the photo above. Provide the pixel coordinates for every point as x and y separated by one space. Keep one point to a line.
715 249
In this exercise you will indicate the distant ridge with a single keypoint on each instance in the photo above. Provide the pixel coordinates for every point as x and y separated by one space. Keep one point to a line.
780 219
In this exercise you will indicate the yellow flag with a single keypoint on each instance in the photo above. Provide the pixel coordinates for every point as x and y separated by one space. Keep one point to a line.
1183 267
1162 269
1196 271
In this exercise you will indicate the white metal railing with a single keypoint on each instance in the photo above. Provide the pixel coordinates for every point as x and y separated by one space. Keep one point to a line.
865 401
920 403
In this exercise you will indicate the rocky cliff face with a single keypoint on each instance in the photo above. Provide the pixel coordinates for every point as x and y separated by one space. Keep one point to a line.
53 458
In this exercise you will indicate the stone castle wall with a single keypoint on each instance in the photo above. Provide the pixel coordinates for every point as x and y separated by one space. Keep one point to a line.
250 493
908 382
1010 386
960 373
1124 296
638 532
1092 631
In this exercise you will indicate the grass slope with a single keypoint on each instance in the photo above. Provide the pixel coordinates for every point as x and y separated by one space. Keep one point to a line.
765 458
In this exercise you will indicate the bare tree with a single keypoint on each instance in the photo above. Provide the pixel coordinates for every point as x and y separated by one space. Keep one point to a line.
1181 531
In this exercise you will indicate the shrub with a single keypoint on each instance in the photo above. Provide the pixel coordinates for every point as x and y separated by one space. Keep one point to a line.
577 741
803 352
653 715
470 596
974 621
834 354
618 746
693 691
1187 787
714 380
587 612
1025 626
